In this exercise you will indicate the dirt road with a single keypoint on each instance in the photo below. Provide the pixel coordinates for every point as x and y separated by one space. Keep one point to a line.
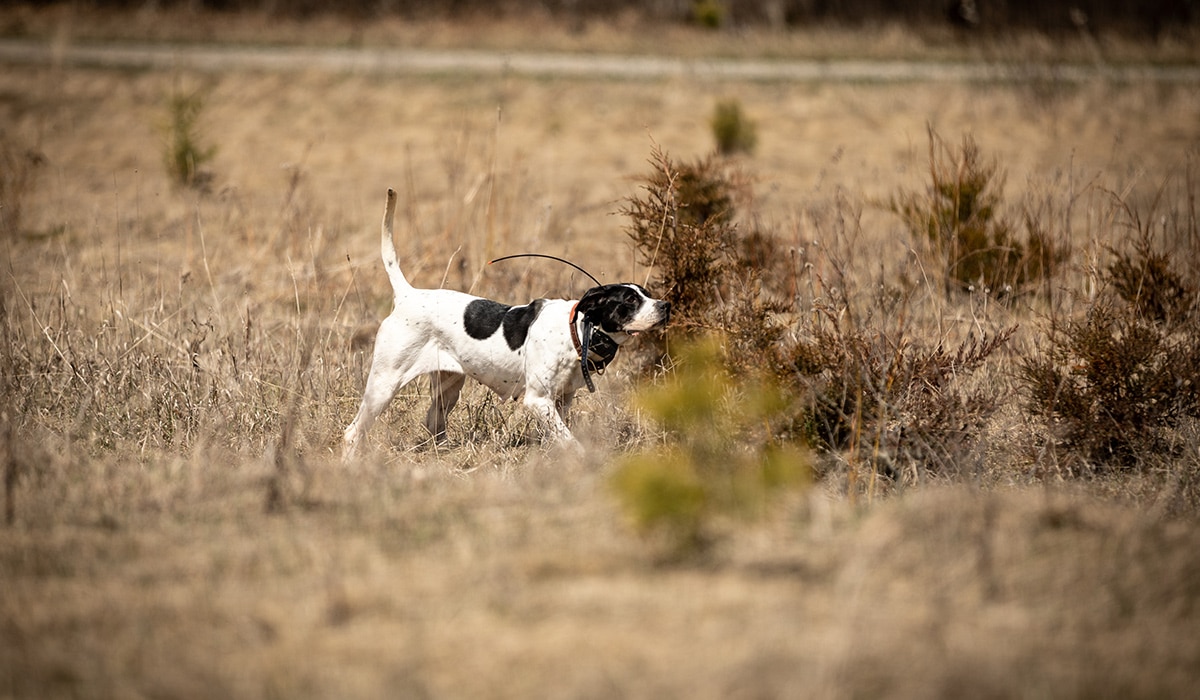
419 61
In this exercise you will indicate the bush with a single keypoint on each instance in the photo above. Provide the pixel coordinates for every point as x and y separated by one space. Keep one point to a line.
683 226
183 155
959 217
889 399
720 460
1115 387
733 131
1146 280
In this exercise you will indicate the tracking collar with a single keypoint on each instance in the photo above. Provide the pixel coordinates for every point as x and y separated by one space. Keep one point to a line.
596 350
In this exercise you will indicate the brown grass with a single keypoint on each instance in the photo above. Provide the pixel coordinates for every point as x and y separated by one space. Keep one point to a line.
175 362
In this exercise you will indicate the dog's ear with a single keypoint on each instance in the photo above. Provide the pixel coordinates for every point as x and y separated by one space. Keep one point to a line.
592 303
589 301
600 306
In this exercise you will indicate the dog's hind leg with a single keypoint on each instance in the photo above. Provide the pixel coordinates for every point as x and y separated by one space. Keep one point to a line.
444 389
382 385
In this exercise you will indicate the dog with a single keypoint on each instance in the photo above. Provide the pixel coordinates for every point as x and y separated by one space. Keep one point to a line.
542 352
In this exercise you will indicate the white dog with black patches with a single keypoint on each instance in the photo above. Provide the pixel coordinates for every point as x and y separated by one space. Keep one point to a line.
535 351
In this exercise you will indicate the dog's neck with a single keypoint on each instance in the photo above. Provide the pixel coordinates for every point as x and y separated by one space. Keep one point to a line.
596 349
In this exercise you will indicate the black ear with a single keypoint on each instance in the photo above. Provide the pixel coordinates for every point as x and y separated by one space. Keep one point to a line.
590 301
602 307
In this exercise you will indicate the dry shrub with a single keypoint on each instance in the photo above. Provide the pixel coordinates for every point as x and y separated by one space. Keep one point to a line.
1117 386
1112 387
890 400
1146 278
852 382
685 228
960 219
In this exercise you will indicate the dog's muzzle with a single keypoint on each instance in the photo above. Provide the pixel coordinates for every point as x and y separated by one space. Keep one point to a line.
664 312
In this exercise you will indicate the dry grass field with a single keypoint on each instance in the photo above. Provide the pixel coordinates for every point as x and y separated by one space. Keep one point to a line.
179 362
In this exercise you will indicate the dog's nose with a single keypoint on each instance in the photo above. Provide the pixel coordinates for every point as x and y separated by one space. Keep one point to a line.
665 310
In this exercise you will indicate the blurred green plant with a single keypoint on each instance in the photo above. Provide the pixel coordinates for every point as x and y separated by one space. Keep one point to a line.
720 460
184 154
733 131
709 14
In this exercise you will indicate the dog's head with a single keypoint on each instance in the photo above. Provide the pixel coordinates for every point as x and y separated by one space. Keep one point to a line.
623 309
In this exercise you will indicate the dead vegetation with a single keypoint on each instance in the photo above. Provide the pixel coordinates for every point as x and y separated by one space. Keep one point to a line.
881 482
1117 388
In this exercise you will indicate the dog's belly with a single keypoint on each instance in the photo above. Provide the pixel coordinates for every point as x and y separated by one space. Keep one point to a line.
499 369
506 379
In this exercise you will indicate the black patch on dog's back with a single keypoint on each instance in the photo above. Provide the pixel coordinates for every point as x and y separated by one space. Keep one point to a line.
483 317
518 320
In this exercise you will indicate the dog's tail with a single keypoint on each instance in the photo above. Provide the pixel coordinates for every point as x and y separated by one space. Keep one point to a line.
388 247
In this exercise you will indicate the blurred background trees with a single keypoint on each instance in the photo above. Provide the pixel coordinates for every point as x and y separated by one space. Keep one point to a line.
1151 18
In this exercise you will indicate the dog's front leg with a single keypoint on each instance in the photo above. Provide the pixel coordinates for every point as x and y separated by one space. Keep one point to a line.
552 423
